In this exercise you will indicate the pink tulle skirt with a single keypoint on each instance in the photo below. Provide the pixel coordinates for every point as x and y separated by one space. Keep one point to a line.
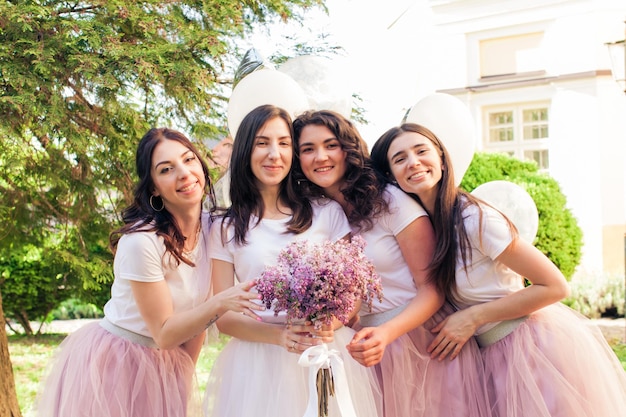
251 379
414 385
97 374
555 364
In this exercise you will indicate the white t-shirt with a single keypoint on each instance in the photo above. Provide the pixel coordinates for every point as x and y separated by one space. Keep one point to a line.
268 238
383 250
486 279
140 257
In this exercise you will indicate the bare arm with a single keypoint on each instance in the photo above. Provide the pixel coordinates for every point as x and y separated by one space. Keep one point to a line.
417 243
241 327
548 287
169 329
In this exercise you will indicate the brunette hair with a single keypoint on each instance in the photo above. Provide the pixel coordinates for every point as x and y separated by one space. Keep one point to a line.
447 218
363 187
244 193
140 215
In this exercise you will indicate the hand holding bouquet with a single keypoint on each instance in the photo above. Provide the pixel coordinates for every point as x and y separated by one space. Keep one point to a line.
317 283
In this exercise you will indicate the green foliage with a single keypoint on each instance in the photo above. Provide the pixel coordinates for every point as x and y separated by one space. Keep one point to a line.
35 280
80 83
558 236
74 309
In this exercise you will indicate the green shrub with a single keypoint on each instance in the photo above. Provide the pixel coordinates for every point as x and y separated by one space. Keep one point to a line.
35 280
558 236
76 309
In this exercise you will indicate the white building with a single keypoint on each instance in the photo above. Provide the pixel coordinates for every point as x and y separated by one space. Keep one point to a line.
536 75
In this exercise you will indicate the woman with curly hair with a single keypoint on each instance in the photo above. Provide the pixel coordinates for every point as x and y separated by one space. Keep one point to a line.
393 337
257 373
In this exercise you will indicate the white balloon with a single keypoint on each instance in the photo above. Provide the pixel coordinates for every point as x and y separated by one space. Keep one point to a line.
264 86
515 203
324 81
451 121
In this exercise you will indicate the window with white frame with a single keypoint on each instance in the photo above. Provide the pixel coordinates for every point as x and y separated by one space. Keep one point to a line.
518 130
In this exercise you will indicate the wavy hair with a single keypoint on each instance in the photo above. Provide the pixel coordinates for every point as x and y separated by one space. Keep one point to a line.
140 215
245 197
446 218
363 187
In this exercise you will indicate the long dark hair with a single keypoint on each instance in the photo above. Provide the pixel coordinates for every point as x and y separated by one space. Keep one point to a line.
245 198
140 214
363 187
446 218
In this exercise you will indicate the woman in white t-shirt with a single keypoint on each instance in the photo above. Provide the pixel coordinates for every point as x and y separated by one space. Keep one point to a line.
541 358
257 374
394 336
139 360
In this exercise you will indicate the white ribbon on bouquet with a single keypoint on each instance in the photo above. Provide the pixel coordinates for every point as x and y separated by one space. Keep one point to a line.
316 358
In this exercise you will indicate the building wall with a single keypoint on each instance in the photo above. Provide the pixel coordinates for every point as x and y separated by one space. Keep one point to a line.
587 140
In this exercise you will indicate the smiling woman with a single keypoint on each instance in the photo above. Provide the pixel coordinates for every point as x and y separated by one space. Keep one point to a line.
521 329
143 352
394 334
262 357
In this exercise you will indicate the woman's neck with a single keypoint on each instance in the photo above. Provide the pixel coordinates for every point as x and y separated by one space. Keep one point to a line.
274 207
428 201
190 225
341 199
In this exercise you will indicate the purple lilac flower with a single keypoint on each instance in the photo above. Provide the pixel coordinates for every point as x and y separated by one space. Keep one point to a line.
319 282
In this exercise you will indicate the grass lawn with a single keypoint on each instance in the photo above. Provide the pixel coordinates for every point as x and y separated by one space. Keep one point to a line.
30 357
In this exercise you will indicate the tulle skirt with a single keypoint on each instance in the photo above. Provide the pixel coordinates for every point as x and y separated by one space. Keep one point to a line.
555 364
97 374
414 385
262 380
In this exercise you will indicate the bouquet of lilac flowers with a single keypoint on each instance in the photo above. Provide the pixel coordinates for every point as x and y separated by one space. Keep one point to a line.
317 283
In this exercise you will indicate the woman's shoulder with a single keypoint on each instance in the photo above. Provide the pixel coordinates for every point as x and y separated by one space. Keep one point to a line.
473 208
393 192
140 241
396 198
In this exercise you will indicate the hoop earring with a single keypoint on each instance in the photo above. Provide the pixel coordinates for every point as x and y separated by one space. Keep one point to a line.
152 205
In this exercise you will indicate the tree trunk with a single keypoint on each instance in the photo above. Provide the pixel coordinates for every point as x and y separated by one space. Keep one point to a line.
9 406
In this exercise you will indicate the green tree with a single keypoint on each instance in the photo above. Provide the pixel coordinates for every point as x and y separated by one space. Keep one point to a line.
80 83
558 236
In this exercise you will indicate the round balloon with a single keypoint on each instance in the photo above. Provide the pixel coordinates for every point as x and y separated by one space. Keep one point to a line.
325 83
514 202
264 86
450 119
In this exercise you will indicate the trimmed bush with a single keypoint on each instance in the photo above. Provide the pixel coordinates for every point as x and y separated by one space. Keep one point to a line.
558 236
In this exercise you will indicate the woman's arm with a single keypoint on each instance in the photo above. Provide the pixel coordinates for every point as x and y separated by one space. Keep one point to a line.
294 338
169 329
548 287
417 243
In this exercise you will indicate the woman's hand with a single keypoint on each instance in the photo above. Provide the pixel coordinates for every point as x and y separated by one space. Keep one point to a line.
239 299
453 332
368 345
297 338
